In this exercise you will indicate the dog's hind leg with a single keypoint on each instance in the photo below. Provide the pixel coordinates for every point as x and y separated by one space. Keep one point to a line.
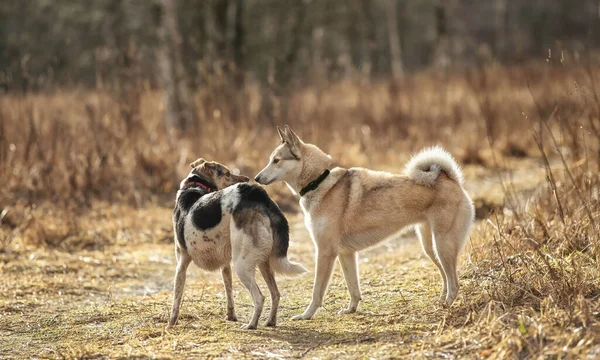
349 263
246 274
426 237
269 276
228 282
449 240
183 261
447 252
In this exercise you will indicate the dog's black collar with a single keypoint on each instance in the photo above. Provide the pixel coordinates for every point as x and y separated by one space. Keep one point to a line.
314 184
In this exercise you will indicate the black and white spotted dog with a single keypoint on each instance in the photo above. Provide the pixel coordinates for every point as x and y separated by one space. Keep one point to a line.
219 219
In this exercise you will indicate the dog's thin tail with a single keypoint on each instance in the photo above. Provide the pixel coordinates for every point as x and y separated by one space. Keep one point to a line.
283 265
425 166
281 240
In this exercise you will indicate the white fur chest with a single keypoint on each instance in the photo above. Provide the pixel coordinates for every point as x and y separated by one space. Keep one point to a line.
315 225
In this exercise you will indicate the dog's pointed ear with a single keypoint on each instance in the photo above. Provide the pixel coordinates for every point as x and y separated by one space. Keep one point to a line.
293 142
291 135
197 163
281 134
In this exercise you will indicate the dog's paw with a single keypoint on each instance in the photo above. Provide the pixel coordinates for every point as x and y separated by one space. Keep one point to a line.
248 327
449 302
231 318
346 311
271 323
301 317
442 300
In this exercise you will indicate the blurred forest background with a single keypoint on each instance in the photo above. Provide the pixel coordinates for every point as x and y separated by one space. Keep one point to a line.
113 43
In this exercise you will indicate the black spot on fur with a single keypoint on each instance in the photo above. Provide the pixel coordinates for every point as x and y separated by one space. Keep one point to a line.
254 197
185 200
207 238
207 212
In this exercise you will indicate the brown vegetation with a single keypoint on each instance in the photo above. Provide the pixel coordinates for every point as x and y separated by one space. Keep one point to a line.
81 180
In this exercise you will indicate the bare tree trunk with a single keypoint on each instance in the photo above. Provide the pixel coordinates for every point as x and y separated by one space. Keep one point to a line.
394 38
371 37
285 66
181 115
124 66
442 53
210 29
238 43
239 35
501 26
318 67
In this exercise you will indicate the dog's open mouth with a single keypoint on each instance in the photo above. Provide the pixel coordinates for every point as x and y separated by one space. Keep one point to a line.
196 181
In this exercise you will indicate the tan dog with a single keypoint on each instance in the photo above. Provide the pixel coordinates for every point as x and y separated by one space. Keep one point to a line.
348 210
219 219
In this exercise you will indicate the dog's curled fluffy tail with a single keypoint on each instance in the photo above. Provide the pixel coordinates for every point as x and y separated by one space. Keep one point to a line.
425 166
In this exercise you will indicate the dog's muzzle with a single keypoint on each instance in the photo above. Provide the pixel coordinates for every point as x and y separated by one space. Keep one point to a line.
259 179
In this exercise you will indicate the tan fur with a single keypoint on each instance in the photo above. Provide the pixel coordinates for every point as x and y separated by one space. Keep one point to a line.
356 208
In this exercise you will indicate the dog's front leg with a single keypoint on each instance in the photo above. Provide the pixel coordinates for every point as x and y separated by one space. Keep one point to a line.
183 261
349 263
228 282
325 261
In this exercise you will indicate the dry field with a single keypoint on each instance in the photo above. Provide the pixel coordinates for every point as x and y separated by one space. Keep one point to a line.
87 181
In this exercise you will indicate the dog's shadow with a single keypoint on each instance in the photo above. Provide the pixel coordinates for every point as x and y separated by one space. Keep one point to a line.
305 339
305 336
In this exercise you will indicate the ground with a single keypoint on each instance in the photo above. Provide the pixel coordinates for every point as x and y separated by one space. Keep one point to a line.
114 300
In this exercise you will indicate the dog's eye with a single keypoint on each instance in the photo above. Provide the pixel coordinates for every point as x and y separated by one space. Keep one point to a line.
219 172
275 161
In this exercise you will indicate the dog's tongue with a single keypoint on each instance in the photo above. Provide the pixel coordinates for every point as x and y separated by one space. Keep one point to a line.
199 184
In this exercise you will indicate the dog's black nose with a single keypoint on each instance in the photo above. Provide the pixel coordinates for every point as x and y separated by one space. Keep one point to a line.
194 177
256 179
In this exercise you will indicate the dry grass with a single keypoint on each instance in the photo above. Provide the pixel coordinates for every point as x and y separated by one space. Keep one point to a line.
86 237
75 145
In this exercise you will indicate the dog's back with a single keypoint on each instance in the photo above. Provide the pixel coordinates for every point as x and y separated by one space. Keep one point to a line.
202 225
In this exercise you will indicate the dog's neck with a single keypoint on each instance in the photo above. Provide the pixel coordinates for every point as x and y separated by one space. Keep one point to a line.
187 197
314 163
